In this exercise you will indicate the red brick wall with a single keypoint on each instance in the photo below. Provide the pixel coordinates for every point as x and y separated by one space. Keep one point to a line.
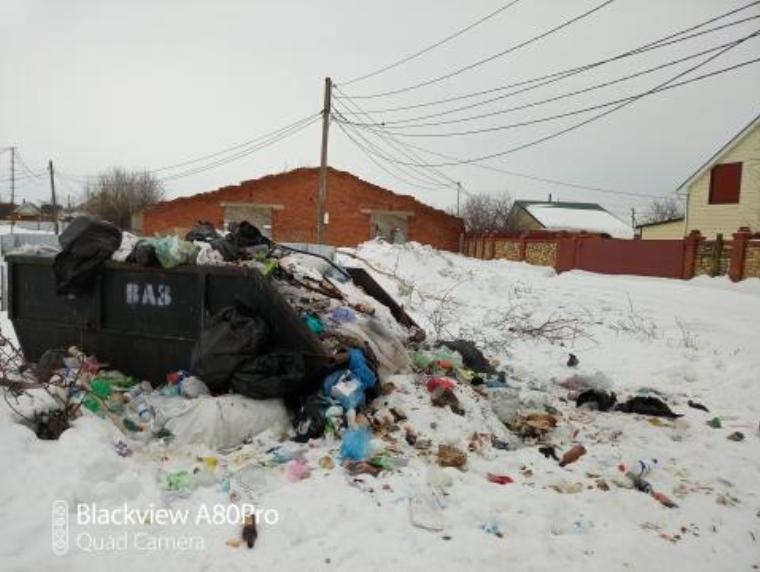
296 191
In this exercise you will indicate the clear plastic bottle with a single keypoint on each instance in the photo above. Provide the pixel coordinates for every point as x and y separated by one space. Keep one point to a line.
641 468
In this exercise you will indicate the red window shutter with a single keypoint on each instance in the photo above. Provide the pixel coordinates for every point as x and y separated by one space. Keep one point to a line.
725 183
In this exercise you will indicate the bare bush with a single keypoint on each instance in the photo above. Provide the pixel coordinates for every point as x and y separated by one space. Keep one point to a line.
635 324
19 380
688 337
661 210
118 194
486 213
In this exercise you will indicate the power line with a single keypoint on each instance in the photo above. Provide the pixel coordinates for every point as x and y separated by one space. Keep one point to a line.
408 122
392 141
665 41
371 156
264 144
240 145
604 113
575 112
432 46
483 61
507 172
240 150
412 147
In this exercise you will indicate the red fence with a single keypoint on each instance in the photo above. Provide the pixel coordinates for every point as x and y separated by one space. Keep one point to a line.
682 258
614 256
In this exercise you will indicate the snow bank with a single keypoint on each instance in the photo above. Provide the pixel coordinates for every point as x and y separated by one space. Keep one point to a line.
687 340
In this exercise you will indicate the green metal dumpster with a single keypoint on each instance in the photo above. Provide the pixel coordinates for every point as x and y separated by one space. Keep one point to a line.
143 321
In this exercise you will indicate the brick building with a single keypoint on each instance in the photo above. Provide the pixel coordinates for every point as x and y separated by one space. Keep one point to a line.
284 207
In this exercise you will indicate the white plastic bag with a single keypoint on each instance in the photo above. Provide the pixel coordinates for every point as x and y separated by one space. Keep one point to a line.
218 422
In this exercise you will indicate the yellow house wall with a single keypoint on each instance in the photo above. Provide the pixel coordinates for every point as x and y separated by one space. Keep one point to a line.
726 219
666 230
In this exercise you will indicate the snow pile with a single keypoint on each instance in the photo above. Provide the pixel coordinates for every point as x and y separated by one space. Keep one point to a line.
679 340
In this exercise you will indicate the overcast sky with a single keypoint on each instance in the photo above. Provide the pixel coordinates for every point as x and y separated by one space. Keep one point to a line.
150 83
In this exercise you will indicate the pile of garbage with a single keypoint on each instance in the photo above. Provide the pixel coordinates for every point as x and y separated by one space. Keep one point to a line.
377 398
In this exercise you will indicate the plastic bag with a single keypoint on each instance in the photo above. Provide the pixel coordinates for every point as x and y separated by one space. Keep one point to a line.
472 357
143 254
356 444
218 422
172 251
272 375
204 231
128 243
232 337
358 365
86 244
311 418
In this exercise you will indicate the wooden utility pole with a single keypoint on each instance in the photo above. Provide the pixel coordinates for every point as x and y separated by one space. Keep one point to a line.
322 188
55 203
633 218
13 185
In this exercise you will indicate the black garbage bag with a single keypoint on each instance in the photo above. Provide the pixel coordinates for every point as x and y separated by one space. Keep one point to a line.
647 406
143 254
233 336
227 247
310 420
247 235
472 357
272 375
604 400
86 245
204 231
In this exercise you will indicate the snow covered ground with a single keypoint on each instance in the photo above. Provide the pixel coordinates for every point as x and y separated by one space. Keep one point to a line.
687 340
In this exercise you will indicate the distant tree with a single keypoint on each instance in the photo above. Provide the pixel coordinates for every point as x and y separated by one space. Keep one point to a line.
485 213
660 210
117 194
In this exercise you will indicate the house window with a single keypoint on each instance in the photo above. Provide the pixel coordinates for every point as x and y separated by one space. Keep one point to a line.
725 183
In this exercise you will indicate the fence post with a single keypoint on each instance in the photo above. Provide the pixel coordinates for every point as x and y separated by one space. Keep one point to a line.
738 252
521 248
717 252
488 248
691 245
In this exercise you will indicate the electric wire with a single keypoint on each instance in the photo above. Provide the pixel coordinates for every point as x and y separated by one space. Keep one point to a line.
432 46
407 123
490 58
665 41
603 113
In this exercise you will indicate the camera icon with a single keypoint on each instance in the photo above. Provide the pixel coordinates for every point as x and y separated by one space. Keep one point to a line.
60 527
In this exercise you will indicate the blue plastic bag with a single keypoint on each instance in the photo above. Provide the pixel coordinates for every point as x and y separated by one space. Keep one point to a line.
356 444
357 363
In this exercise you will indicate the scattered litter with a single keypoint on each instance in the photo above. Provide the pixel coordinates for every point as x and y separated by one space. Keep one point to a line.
493 527
736 436
499 479
647 405
548 451
715 423
449 456
250 533
572 360
663 500
572 455
425 513
355 445
603 400
297 470
695 405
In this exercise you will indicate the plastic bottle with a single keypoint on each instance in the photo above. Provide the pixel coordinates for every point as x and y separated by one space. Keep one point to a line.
144 411
641 468
572 455
137 390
